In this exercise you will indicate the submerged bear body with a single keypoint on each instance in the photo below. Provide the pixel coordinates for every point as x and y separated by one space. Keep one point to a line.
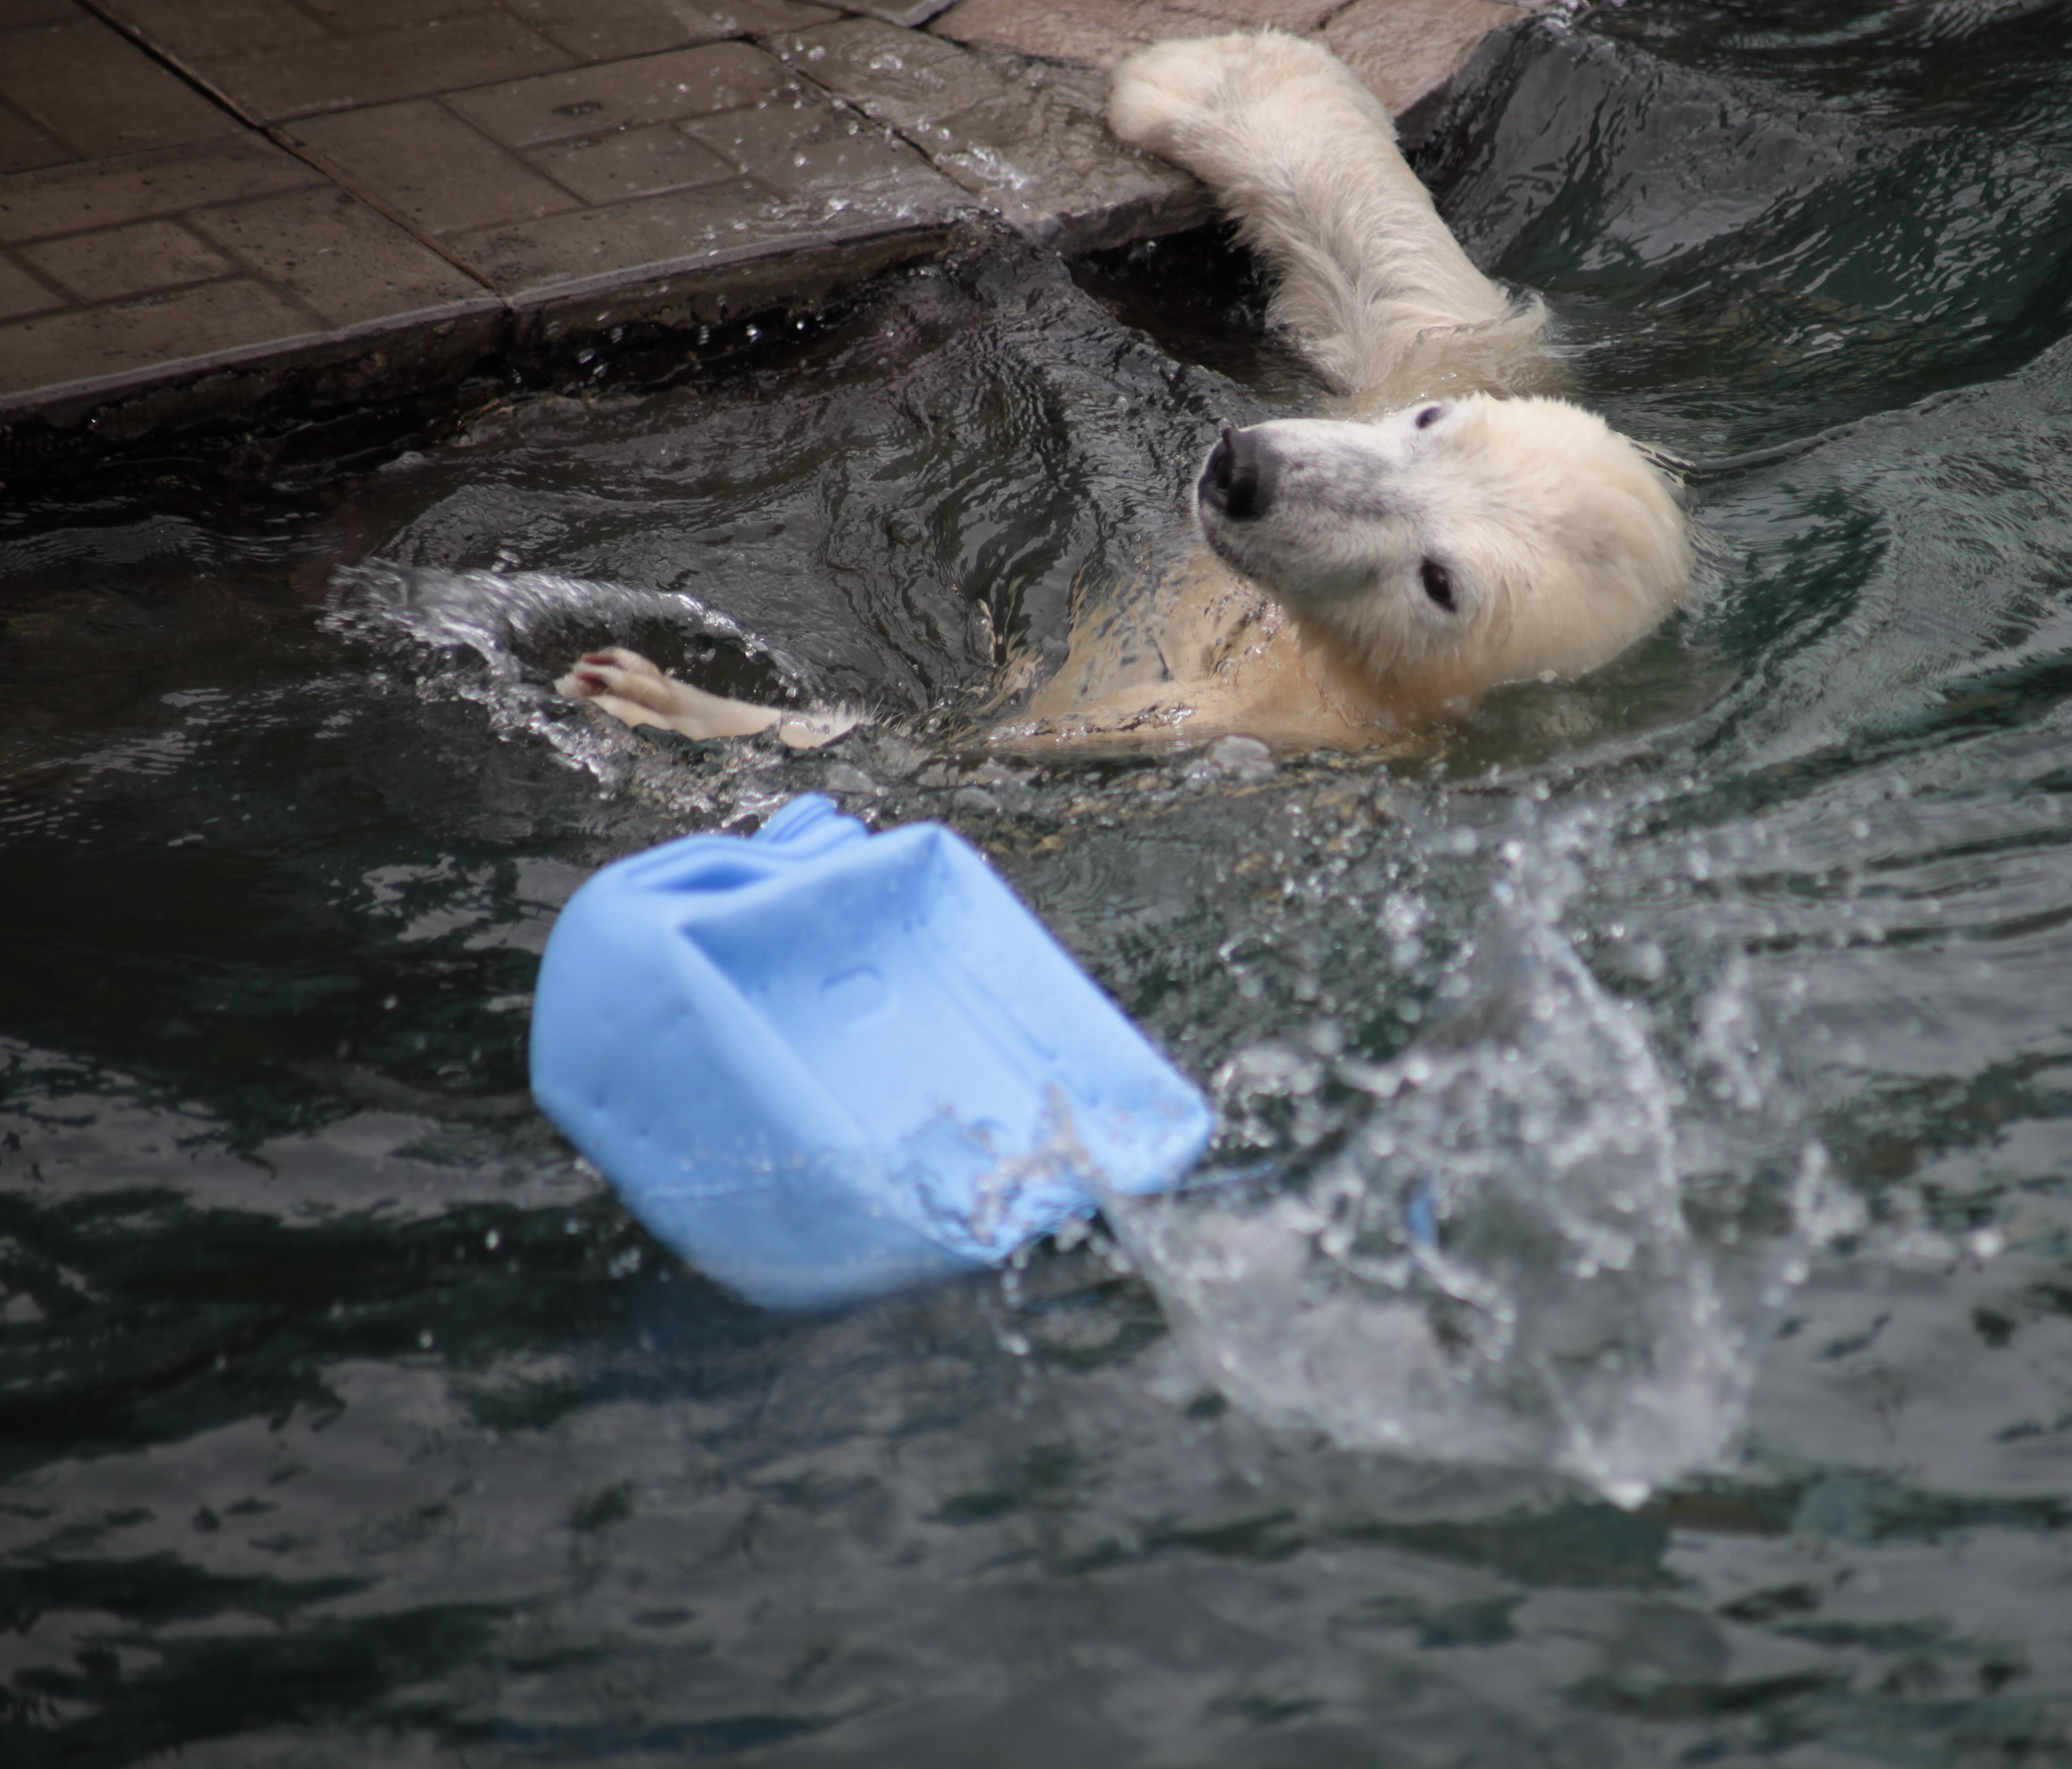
1366 574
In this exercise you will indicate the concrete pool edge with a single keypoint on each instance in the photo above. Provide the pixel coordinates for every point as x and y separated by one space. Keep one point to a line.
235 265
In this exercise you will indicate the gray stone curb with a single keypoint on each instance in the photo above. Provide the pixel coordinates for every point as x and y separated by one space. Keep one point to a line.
217 209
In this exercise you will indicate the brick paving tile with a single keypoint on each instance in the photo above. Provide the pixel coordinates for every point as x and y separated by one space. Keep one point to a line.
209 321
96 92
831 170
592 245
1100 33
633 163
108 193
827 179
22 146
657 160
446 176
1032 140
783 152
650 90
612 29
434 56
908 13
337 256
432 167
914 78
199 30
364 18
111 263
21 293
1404 49
219 250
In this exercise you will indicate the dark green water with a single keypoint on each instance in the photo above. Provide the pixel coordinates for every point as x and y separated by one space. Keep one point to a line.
344 1419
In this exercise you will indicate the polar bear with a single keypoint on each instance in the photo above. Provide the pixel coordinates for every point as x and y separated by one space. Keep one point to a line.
1455 528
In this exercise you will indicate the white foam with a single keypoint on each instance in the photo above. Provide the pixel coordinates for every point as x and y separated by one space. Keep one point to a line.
1565 1314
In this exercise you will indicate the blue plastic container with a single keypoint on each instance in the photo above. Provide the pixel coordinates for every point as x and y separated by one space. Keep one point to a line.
822 1065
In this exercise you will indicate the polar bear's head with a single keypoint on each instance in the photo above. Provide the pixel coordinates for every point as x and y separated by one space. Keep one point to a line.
1453 545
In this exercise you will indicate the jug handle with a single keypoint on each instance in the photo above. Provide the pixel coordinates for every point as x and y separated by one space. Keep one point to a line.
801 830
810 823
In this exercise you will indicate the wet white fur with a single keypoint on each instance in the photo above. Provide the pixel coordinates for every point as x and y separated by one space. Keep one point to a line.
1304 156
1560 544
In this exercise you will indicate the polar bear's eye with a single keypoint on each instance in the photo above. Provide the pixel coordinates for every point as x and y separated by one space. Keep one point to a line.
1428 415
1438 583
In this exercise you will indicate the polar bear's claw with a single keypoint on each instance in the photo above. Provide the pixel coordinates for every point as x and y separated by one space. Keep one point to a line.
623 675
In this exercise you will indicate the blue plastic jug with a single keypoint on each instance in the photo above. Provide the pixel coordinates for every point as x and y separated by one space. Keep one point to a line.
822 1065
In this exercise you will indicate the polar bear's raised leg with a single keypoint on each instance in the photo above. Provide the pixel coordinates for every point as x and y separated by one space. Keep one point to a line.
1305 156
626 686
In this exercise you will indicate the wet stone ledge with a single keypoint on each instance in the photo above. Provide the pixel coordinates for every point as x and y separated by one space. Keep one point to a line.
211 209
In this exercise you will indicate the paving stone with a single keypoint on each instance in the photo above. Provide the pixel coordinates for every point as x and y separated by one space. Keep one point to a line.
209 321
198 29
631 162
339 258
826 184
107 193
593 245
695 231
1100 33
1031 140
787 148
912 78
368 17
36 12
111 263
805 276
21 293
611 30
437 55
907 13
96 92
1405 50
586 162
431 166
828 164
1302 17
23 146
651 89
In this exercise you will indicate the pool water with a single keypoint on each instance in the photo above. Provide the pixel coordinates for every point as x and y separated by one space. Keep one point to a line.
1720 1005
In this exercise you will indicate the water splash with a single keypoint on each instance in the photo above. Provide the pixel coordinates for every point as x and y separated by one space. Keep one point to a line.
509 635
1487 1258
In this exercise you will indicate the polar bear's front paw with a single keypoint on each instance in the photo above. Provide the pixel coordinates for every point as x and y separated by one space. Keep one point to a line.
1164 94
1174 98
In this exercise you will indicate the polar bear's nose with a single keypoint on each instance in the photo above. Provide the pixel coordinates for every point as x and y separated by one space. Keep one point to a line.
1238 480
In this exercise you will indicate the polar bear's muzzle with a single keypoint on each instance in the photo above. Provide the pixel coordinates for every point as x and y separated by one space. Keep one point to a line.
1238 480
